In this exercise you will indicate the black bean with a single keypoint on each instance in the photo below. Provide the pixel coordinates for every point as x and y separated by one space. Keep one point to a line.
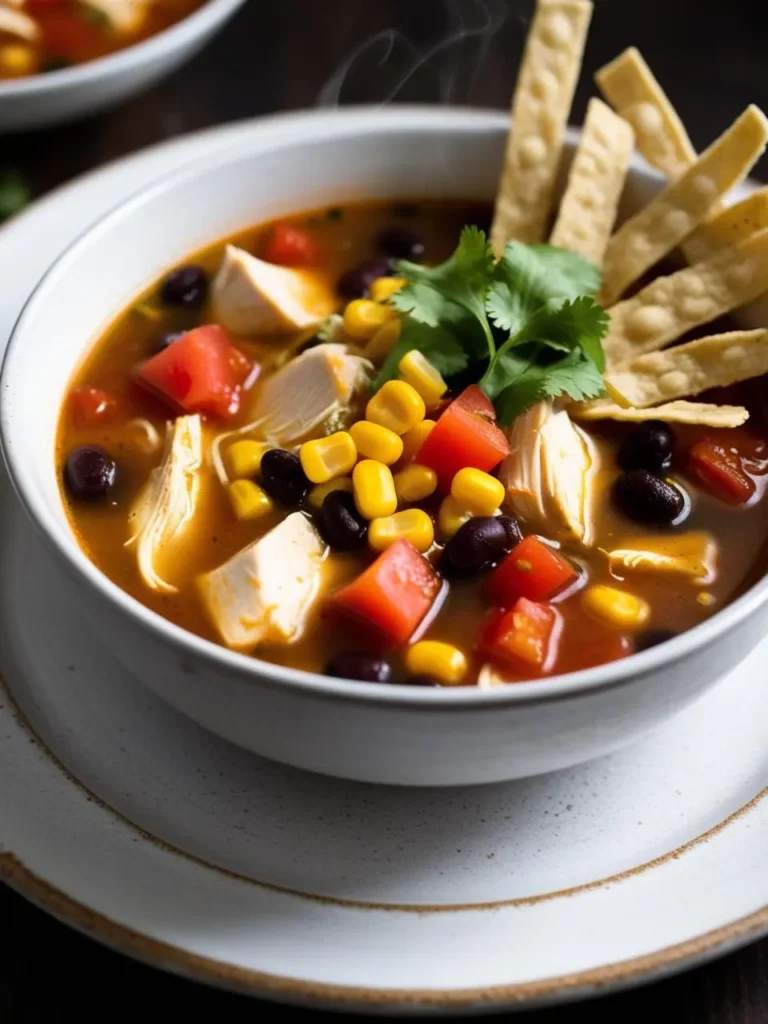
356 282
514 533
358 665
283 478
166 340
646 498
648 446
186 286
89 473
401 244
476 544
654 637
339 522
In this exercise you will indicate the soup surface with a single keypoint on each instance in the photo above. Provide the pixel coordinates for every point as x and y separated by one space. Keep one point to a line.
506 602
48 35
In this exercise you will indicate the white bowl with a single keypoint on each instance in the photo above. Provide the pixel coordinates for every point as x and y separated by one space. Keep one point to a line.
370 732
85 88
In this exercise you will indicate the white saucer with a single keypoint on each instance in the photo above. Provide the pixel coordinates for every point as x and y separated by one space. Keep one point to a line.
130 822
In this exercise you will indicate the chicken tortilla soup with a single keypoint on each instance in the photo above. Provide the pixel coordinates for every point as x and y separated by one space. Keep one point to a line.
443 443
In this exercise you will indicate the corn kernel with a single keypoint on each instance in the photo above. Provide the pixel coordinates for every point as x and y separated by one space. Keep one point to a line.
616 608
328 457
383 341
244 458
415 483
374 489
451 517
414 439
319 492
248 500
17 60
376 442
362 318
384 288
413 525
415 368
478 492
397 406
435 658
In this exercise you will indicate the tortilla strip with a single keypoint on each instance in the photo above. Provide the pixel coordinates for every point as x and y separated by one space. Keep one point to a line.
540 109
630 87
712 362
729 227
695 413
670 306
595 183
673 214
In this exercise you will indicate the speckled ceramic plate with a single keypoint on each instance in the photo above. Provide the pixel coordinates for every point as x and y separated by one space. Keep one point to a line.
128 821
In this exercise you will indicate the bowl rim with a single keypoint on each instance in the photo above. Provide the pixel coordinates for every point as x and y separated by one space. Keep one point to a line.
278 131
195 24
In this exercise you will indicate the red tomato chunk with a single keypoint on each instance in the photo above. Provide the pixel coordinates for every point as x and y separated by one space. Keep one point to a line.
522 634
466 435
290 247
393 595
721 471
197 373
531 570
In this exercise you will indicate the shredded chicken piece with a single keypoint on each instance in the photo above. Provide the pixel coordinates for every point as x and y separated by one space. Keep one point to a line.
17 23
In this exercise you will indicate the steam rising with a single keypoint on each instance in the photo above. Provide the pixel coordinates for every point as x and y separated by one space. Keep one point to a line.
389 59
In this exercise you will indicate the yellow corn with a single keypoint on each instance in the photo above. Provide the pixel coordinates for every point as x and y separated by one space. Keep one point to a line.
414 439
244 458
17 59
319 492
376 442
451 517
384 288
362 318
415 368
616 608
374 489
328 457
415 483
397 406
413 525
477 491
383 341
437 659
248 500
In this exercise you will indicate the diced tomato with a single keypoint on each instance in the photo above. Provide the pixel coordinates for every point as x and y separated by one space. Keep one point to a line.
34 7
465 435
524 633
91 406
720 469
532 570
290 247
393 595
196 373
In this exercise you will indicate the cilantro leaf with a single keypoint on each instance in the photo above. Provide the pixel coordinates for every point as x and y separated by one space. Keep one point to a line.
579 323
528 277
439 345
14 193
574 375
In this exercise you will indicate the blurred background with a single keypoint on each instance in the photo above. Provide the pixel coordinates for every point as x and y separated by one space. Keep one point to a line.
710 55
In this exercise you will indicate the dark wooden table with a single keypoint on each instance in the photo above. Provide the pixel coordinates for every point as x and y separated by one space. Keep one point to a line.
282 54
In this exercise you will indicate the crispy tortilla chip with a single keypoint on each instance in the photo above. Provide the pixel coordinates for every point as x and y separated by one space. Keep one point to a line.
712 362
588 207
632 90
692 555
671 306
729 227
695 413
540 109
673 214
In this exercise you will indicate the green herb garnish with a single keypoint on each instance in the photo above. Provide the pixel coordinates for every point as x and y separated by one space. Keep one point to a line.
528 321
14 193
94 17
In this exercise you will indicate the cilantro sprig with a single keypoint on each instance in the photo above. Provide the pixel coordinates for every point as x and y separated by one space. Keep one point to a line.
528 322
